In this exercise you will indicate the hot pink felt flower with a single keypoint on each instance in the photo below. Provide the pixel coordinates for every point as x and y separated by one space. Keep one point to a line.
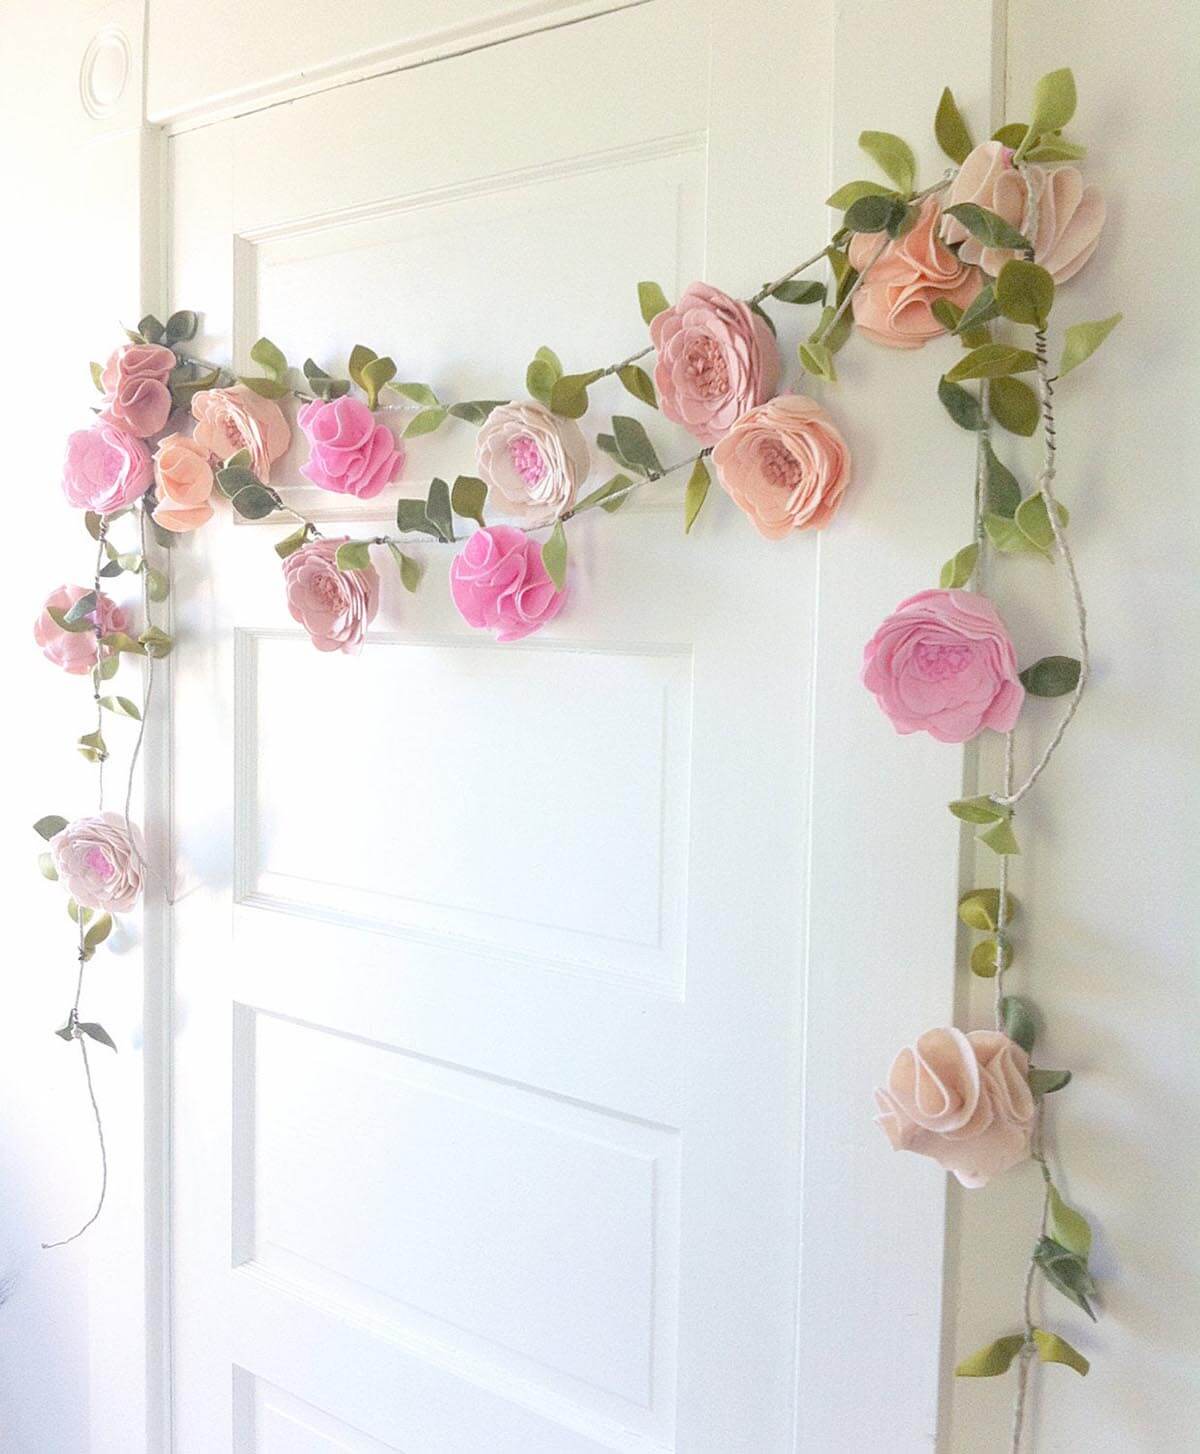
350 451
499 583
894 304
531 460
76 651
1069 215
943 663
785 465
100 863
962 1099
334 606
716 359
137 396
106 469
230 420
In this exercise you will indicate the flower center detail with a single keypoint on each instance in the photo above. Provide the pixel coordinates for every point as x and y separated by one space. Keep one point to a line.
937 662
779 466
706 367
99 863
327 590
527 458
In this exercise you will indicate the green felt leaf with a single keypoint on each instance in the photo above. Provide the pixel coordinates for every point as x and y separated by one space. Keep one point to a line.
353 555
184 391
1054 103
987 226
980 909
1001 492
978 810
554 555
638 382
1066 1271
291 543
155 642
81 609
410 515
239 461
410 569
634 444
1052 147
946 313
961 405
1033 520
893 156
468 498
1052 676
46 866
1017 1018
829 333
1001 839
418 393
695 495
601 495
91 523
97 371
360 356
850 192
988 956
1067 1226
181 326
61 618
1045 1083
959 569
993 1360
1014 406
794 291
376 372
109 665
267 388
121 707
1083 339
48 826
76 914
425 422
264 352
119 641
843 274
94 1031
438 511
757 310
982 310
951 130
569 396
475 411
875 213
1005 535
1025 292
1011 133
97 932
651 300
255 502
1053 1349
992 361
158 587
151 329
815 358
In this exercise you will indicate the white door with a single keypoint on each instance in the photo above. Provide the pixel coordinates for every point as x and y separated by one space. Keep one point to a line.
490 961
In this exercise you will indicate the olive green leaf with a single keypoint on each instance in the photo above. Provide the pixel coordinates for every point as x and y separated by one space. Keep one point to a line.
1010 134
568 394
353 555
543 373
1001 839
992 361
475 411
264 352
181 326
291 543
815 358
155 643
119 641
1083 339
993 1360
418 393
554 555
602 495
697 492
438 511
1033 520
1002 493
1014 406
97 932
1017 1017
639 383
1025 292
97 376
1005 535
255 502
95 1032
987 226
946 313
425 422
1065 1224
961 405
46 864
150 328
651 300
1053 1349
980 909
959 569
982 310
468 498
1054 103
1054 147
48 826
1052 676
410 515
62 619
794 291
360 356
1046 1082
988 956
847 195
951 130
893 156
875 213
121 707
82 608
376 372
410 569
267 388
978 810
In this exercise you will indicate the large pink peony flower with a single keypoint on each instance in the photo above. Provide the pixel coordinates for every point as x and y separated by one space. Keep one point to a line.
785 465
100 863
716 359
76 651
106 469
531 460
943 663
350 451
334 606
894 304
963 1100
1069 215
498 582
137 396
185 483
230 420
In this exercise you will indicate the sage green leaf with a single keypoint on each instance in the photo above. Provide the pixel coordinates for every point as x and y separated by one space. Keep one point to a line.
468 498
267 388
360 356
1053 1349
255 502
80 610
158 587
119 641
815 358
959 569
1033 520
438 511
122 707
1017 1018
757 310
1045 1083
1065 1224
97 376
961 405
1001 492
634 444
982 310
540 379
113 568
794 291
291 543
639 383
875 213
181 326
601 495
980 909
697 492
832 335
1066 1271
75 913
608 444
1083 339
568 394
990 955
1025 292
992 361
978 810
425 422
48 826
1054 103
988 227
94 1031
264 352
1001 839
410 515
894 157
418 393
353 555
1012 133
46 867
61 619
1054 148
475 411
554 555
239 461
150 329
902 222
651 300
843 274
946 313
1014 406
108 667
155 643
993 1360
130 561
410 569
375 373
1052 676
951 130
97 932
847 195
182 393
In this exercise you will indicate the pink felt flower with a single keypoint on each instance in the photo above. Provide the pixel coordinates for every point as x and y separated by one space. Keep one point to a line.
785 465
350 451
136 392
894 304
716 359
106 469
1069 215
499 583
943 663
531 460
185 483
334 606
230 420
962 1099
100 863
76 651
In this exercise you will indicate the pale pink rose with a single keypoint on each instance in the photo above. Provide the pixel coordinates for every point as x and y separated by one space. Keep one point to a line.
499 583
185 482
137 396
785 465
350 451
100 863
531 460
962 1099
943 663
716 359
1069 215
894 305
230 420
106 469
335 607
76 651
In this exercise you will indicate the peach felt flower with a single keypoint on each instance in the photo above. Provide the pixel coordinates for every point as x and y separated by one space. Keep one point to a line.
229 420
185 483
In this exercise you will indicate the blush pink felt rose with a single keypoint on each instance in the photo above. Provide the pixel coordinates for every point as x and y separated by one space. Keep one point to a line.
350 451
106 469
962 1099
531 460
894 305
943 663
785 465
716 359
185 483
230 420
137 396
1069 214
499 583
334 606
100 862
76 651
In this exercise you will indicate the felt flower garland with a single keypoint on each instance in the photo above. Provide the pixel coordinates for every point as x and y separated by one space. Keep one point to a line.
986 245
